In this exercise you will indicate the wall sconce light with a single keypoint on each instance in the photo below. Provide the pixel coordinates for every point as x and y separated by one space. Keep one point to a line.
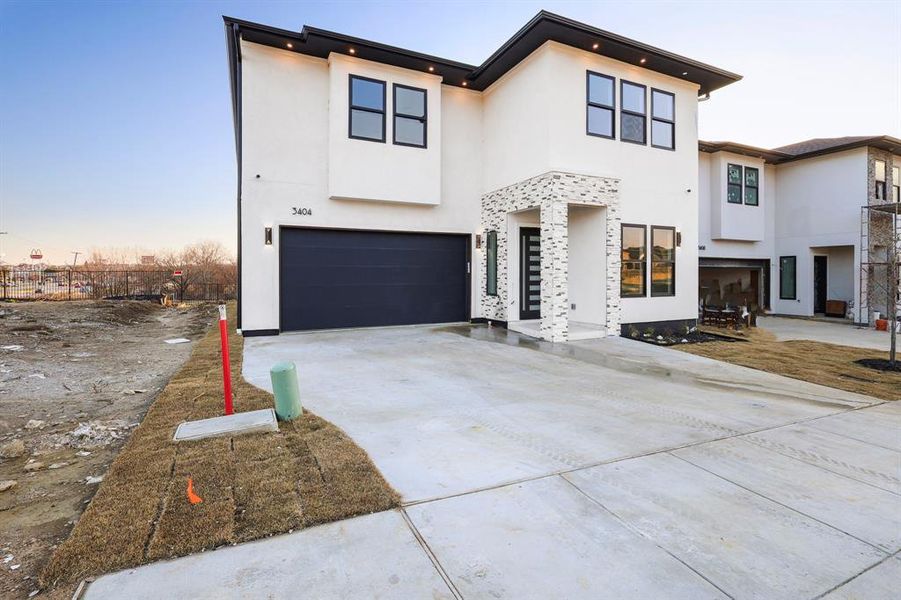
478 241
678 239
268 236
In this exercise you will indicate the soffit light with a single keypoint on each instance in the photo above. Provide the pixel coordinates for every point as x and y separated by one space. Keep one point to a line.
431 69
595 47
352 51
643 60
290 45
465 84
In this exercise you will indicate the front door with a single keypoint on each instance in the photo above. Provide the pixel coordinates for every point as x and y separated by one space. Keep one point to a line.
529 273
819 284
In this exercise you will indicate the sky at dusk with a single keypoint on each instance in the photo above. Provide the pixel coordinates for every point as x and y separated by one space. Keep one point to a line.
115 117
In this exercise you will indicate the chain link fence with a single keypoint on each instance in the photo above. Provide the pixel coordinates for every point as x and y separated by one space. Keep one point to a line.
67 284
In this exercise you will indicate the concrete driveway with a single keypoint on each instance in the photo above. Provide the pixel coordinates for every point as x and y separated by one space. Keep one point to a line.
823 331
596 469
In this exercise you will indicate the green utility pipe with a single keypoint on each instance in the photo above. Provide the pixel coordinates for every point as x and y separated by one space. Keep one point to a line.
287 394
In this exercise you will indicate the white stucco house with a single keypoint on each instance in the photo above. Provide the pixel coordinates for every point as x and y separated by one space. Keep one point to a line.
785 229
552 189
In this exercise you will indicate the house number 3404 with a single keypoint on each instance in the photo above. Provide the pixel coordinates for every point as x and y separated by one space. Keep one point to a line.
304 212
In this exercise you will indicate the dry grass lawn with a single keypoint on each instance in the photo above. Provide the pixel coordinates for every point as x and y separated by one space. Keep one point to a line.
252 486
817 362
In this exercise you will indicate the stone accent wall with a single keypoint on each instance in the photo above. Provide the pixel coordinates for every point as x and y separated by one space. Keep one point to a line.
873 289
551 193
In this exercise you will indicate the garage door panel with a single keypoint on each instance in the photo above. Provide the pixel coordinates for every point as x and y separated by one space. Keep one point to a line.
333 279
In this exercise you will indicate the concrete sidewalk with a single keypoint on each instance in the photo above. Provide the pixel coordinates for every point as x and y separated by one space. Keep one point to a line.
597 469
844 334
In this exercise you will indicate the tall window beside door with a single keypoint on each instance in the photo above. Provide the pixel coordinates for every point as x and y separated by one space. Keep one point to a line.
491 256
788 277
634 261
663 261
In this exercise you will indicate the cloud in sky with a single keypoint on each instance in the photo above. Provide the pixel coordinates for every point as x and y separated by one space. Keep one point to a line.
115 122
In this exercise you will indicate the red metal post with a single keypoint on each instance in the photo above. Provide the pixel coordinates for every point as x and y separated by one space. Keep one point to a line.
226 365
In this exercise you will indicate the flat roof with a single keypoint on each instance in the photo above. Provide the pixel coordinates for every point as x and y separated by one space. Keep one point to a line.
545 26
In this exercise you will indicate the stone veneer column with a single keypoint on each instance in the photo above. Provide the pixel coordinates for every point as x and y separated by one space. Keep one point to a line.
554 270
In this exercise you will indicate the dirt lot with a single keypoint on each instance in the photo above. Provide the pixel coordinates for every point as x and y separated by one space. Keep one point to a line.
817 362
75 379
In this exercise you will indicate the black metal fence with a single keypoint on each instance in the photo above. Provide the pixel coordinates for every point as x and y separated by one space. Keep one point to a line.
67 284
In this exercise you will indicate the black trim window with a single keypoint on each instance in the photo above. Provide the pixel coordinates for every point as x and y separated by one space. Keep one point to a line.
366 119
410 116
491 263
663 261
788 277
634 261
663 119
633 120
752 183
601 109
733 183
879 169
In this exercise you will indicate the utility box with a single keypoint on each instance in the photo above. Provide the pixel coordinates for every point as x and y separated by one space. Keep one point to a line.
286 391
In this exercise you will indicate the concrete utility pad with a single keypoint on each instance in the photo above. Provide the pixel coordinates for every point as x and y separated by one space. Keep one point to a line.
375 556
843 334
254 421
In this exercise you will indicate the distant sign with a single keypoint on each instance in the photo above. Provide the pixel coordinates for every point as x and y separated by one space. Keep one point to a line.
36 254
176 273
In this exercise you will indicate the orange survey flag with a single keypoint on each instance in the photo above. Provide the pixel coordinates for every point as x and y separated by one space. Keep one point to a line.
192 497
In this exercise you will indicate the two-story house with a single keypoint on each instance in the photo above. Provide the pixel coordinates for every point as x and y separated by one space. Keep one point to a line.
787 230
553 188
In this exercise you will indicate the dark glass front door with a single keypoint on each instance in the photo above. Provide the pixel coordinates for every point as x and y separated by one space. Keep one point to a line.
819 284
529 273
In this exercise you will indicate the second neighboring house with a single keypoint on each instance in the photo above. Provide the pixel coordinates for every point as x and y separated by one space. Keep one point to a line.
553 188
786 230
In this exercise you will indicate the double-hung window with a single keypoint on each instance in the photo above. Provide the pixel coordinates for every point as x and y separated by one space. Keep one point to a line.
633 123
634 261
879 168
367 109
788 277
410 116
663 261
752 184
733 183
601 99
663 120
896 184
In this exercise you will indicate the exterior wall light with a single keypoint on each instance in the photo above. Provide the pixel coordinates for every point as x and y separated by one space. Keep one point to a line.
478 241
268 236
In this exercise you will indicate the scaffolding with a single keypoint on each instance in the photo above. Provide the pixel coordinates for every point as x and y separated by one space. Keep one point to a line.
880 250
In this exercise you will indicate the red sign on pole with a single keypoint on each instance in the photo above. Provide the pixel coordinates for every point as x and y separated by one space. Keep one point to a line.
176 273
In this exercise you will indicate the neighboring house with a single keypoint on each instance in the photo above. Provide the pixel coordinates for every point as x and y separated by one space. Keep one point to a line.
786 230
553 188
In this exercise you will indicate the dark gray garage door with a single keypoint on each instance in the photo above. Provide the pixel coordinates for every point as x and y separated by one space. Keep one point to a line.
332 278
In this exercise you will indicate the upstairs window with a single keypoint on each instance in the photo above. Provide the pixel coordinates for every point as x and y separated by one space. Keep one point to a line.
733 183
896 184
601 98
752 179
367 109
663 261
409 116
634 261
663 120
879 168
633 115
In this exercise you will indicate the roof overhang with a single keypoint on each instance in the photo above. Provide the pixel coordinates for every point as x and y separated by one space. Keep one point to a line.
543 27
770 156
883 142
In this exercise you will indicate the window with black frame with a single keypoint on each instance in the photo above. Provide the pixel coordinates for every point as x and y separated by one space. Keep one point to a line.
752 182
410 116
491 263
663 120
788 277
896 184
663 261
634 261
633 113
879 168
733 183
601 100
367 109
